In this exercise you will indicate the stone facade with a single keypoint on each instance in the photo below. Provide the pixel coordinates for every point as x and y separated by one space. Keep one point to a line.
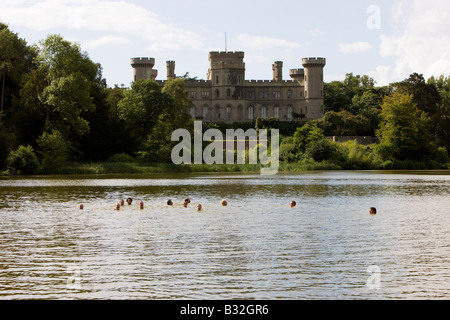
226 95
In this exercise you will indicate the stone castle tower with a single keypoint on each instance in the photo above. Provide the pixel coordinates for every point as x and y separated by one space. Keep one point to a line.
226 95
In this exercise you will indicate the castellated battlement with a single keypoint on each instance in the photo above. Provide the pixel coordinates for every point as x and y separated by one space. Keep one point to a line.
297 72
200 83
313 62
267 82
144 62
226 54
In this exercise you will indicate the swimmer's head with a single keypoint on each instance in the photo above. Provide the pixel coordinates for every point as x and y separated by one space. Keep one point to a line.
129 201
169 202
199 207
293 204
224 202
373 210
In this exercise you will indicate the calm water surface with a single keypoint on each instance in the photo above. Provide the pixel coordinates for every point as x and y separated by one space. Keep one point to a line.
257 247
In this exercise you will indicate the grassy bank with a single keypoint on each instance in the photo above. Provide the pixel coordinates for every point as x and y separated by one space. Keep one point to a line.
149 168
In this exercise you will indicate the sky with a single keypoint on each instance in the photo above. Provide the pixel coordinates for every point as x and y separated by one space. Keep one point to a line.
385 39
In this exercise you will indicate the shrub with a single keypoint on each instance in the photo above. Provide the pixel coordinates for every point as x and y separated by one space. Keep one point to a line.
121 157
55 150
24 160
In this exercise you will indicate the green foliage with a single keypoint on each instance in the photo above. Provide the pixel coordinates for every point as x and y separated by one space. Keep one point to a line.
121 157
320 150
344 123
404 130
24 160
142 106
54 150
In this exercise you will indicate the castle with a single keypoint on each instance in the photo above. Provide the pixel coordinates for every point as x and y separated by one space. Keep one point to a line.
226 96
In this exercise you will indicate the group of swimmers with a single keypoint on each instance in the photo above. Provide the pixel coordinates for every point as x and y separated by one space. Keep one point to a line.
187 201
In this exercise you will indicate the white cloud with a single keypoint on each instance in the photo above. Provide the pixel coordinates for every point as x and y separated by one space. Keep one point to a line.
315 32
263 43
118 17
420 41
104 41
356 47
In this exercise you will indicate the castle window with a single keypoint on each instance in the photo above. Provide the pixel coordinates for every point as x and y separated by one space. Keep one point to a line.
289 94
228 93
250 113
217 79
205 112
263 94
193 112
217 93
276 112
263 112
193 94
217 112
229 112
277 94
289 112
251 94
205 94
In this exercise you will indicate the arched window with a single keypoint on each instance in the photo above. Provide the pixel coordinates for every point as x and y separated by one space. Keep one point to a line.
289 112
217 93
205 112
229 112
276 112
263 112
217 112
193 112
251 111
228 93
289 94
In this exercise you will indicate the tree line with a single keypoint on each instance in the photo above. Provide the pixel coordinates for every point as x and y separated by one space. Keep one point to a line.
57 109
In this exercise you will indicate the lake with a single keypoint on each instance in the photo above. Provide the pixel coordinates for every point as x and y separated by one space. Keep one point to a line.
257 247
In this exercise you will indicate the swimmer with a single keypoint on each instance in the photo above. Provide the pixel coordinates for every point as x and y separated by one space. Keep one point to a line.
141 205
121 202
224 202
187 200
169 202
129 201
117 206
293 204
199 207
81 206
373 210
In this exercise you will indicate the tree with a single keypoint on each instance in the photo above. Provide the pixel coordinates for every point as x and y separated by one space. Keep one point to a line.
404 130
158 145
424 95
442 115
16 59
54 150
344 123
24 160
141 107
67 93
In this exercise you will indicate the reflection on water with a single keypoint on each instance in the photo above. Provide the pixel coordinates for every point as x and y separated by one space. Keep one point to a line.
257 247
